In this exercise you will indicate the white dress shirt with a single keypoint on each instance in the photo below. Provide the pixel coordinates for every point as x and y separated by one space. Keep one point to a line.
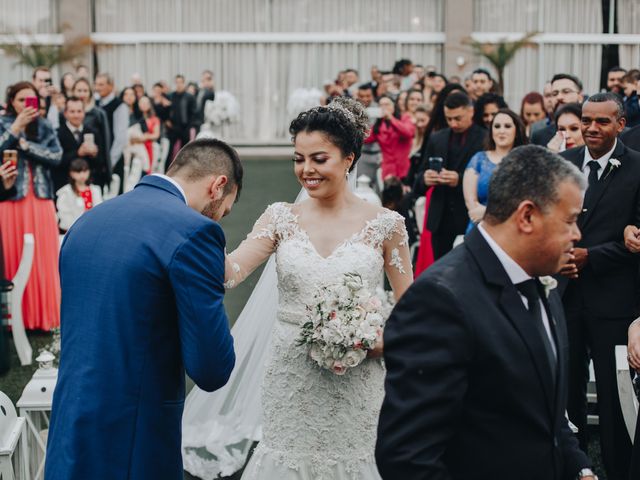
174 183
517 275
603 160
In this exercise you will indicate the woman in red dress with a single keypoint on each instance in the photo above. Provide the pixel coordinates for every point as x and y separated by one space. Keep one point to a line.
32 210
153 127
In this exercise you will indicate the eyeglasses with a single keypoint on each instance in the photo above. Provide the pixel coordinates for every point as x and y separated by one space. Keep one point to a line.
564 91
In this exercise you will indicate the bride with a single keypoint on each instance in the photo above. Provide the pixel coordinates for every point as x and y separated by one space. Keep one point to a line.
315 424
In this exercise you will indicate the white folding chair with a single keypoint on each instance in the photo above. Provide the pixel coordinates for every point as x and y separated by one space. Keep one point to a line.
15 301
13 454
164 154
420 210
628 399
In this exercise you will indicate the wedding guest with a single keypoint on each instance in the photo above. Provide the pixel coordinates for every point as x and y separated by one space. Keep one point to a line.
485 108
152 123
182 115
569 134
31 209
192 88
394 133
532 110
8 176
82 71
206 93
421 119
632 238
565 89
66 84
41 79
411 102
403 69
601 284
481 83
128 97
77 196
117 118
614 80
394 197
96 121
75 143
401 101
631 138
161 103
371 155
455 145
438 82
138 88
390 86
506 132
475 350
630 83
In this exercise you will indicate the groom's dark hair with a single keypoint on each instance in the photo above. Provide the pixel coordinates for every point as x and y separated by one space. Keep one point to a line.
208 156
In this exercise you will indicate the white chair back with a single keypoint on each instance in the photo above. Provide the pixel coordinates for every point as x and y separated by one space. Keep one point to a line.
420 210
628 399
13 459
15 301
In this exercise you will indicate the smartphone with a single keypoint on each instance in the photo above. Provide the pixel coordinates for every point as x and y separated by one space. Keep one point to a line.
374 112
31 102
435 164
10 156
88 139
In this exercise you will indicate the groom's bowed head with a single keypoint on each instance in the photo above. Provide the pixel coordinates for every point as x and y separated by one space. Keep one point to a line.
210 173
535 198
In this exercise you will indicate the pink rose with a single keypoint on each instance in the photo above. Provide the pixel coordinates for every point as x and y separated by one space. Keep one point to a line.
339 368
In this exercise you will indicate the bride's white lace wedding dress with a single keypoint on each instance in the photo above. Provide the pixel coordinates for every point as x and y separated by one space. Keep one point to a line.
317 425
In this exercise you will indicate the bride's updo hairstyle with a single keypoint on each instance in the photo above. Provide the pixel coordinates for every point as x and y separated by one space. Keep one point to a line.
344 121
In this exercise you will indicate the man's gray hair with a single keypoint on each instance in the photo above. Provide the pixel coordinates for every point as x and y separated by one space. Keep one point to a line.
529 172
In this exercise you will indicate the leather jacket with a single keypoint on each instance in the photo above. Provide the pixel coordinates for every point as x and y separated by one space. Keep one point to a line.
38 158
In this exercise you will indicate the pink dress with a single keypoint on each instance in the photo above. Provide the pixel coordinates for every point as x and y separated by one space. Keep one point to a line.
41 301
395 138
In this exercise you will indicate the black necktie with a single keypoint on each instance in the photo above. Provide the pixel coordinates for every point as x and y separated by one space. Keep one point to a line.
593 173
76 133
531 291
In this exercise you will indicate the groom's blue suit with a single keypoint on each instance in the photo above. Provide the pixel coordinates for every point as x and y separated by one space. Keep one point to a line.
142 290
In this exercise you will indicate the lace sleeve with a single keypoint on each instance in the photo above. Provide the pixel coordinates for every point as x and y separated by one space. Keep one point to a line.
397 259
253 251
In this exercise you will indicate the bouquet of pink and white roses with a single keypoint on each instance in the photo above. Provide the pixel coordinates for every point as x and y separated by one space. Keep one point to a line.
344 322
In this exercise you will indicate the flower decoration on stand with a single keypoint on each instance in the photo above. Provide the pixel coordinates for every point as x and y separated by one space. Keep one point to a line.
223 110
345 321
303 99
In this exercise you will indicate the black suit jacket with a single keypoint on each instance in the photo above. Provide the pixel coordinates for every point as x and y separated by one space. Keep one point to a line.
608 284
447 201
544 135
469 389
204 94
70 146
631 138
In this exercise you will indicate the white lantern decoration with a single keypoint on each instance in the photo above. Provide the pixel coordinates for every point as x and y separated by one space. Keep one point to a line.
365 192
35 407
13 454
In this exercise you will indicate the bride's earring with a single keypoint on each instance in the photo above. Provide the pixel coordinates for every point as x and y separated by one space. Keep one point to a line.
346 174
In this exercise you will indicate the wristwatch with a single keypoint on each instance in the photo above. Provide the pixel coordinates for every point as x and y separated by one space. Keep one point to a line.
585 472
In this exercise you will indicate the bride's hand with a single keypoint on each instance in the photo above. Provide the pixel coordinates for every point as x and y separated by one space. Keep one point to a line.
378 350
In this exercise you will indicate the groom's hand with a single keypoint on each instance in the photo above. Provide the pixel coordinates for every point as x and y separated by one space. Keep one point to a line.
378 350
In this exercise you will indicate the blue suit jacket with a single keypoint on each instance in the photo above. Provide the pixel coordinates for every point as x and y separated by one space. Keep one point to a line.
142 296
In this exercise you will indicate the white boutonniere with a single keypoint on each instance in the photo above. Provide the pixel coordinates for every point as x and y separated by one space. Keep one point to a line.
549 283
615 163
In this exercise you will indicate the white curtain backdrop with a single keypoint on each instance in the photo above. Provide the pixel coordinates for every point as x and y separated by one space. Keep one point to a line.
531 67
629 22
262 75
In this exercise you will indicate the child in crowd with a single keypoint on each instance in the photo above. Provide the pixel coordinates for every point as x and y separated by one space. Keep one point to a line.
77 196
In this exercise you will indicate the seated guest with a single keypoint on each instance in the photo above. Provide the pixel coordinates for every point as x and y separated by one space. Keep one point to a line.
505 133
569 134
77 196
395 198
76 140
486 108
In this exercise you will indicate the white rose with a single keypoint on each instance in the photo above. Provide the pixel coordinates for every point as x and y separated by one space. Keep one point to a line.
316 354
353 358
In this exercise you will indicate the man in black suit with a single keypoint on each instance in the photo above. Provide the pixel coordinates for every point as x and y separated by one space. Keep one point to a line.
447 216
565 89
476 349
205 93
602 280
631 138
182 117
71 135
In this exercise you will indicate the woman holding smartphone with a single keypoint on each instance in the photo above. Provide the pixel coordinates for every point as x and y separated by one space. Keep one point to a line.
31 208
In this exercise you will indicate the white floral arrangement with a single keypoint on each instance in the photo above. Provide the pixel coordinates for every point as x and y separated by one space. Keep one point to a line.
344 322
223 109
303 99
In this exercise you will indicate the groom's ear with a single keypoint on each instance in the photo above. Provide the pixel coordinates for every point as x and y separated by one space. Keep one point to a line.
216 188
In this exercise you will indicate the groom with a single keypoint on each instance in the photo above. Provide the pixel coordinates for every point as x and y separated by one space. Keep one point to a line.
476 350
142 289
